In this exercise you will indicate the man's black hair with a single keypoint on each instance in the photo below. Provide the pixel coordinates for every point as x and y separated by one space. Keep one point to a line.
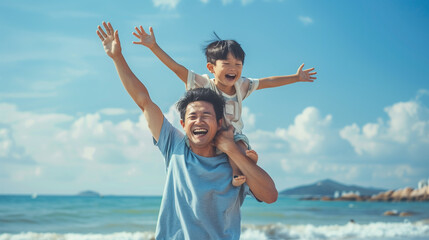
201 94
219 49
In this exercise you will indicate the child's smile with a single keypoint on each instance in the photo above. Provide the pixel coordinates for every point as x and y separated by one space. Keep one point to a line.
226 73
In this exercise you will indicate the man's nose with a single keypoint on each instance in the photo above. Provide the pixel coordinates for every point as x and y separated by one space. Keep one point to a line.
198 119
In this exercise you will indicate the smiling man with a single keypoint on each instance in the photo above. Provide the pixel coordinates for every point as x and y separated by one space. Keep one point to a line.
199 201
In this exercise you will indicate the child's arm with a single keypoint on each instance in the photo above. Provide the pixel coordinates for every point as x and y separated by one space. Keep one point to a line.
150 42
300 76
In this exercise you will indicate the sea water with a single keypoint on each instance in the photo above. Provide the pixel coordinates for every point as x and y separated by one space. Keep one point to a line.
115 217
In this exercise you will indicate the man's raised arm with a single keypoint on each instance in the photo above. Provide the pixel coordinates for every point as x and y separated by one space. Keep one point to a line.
132 84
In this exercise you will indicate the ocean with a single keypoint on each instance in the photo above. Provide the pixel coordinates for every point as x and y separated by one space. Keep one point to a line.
116 217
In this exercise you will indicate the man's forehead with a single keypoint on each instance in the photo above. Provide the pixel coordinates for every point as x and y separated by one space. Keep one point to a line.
199 106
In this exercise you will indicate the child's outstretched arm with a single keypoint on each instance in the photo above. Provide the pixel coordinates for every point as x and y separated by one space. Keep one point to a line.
300 76
149 41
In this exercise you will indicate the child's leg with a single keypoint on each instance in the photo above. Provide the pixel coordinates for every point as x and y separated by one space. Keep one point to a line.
237 176
252 155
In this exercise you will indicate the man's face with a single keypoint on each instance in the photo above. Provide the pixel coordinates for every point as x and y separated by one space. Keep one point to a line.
227 71
200 124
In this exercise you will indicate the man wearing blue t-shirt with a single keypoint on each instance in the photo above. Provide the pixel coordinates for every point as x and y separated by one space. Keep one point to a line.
199 201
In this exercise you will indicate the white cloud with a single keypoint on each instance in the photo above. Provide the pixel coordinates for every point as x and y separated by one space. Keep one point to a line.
74 150
5 142
385 153
320 169
88 153
170 4
113 111
305 20
90 150
248 118
308 133
406 132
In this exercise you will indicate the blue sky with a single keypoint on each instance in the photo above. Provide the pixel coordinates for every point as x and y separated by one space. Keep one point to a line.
67 124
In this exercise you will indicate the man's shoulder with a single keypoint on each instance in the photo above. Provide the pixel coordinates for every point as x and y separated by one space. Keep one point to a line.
169 132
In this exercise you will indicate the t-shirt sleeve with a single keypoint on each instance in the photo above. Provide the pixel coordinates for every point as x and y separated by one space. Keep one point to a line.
197 81
248 85
169 138
247 191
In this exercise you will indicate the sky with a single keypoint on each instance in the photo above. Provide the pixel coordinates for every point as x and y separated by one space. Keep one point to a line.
68 125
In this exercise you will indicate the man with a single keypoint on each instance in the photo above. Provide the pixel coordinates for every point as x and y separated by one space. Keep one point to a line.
199 201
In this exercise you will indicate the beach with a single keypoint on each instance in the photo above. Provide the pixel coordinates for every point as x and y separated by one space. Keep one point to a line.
134 217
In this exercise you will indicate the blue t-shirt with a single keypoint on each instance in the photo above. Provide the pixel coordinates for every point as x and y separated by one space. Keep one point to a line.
199 201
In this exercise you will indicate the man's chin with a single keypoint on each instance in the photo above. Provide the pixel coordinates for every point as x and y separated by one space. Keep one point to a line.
200 142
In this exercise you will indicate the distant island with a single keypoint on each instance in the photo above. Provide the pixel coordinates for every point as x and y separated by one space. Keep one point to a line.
329 190
89 194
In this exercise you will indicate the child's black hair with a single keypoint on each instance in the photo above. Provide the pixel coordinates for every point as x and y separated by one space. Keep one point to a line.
219 49
201 94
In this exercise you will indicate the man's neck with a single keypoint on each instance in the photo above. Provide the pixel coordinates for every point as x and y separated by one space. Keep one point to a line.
208 151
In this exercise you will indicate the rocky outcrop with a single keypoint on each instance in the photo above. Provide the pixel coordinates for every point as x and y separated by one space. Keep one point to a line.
396 213
405 194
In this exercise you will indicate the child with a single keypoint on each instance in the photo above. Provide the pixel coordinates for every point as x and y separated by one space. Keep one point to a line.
225 59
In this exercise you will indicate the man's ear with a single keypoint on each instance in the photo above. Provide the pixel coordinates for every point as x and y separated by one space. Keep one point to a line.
210 67
182 123
219 124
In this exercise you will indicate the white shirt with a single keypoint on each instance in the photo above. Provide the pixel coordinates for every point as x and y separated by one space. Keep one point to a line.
233 107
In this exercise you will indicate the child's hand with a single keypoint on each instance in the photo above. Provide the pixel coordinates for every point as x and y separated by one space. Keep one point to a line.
224 139
111 43
145 39
305 75
238 180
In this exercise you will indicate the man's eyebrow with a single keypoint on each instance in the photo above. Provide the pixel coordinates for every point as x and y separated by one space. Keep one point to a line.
204 113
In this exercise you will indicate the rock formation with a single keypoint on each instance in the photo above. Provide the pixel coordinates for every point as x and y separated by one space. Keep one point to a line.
405 194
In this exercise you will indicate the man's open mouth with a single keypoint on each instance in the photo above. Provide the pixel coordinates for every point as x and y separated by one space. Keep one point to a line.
200 131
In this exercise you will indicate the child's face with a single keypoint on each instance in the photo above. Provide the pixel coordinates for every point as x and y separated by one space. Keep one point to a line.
226 72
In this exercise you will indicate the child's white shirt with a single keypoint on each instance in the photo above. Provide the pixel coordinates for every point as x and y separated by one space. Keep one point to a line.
233 103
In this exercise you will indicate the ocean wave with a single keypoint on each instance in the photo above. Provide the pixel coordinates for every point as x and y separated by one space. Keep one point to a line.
378 230
75 236
349 231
